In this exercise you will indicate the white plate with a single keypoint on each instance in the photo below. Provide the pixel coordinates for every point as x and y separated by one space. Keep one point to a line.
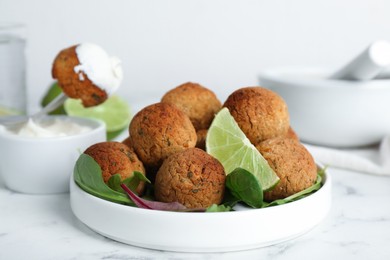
201 232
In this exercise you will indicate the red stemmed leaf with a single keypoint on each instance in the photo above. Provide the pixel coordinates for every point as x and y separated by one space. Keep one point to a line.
147 204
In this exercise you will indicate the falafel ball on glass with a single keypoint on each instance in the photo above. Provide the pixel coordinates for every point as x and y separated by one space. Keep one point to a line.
293 164
159 130
260 113
85 71
116 158
192 177
199 103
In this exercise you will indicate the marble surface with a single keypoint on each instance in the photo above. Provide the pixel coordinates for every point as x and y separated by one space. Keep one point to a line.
357 227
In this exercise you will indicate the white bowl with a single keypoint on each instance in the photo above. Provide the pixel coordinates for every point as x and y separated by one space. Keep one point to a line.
44 165
334 113
201 232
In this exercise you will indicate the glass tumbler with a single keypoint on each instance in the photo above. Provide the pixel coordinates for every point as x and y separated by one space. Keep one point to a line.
12 69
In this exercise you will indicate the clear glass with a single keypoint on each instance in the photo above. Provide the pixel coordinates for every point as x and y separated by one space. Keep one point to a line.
12 69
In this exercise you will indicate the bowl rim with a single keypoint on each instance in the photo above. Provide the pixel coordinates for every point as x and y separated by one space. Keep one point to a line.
97 126
273 75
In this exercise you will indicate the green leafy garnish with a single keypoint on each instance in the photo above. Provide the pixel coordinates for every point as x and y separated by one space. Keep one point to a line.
218 208
242 186
88 175
304 193
246 187
115 181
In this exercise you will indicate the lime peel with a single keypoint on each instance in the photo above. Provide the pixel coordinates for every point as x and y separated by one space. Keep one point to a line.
115 112
227 143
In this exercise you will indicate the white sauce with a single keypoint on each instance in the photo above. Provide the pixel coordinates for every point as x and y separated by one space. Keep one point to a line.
104 71
53 128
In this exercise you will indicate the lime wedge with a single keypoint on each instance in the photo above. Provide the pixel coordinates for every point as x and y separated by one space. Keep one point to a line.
51 94
227 143
115 112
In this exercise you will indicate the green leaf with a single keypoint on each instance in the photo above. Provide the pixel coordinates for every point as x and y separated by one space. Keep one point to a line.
132 182
135 180
218 208
114 182
88 175
304 193
229 199
246 187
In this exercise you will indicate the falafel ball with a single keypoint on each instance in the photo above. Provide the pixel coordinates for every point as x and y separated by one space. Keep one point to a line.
261 113
192 177
292 134
127 141
116 158
201 139
64 71
291 162
160 130
196 101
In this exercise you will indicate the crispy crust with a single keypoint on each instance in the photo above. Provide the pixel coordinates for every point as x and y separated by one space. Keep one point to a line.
260 113
201 139
127 141
191 177
160 130
292 134
115 157
69 80
197 102
291 162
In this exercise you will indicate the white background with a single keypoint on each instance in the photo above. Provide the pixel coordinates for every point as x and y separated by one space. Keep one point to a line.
222 44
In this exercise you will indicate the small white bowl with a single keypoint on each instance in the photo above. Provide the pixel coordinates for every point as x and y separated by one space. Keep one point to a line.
44 165
242 229
335 113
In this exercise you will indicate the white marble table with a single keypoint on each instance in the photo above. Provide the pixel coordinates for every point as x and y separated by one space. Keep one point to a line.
357 227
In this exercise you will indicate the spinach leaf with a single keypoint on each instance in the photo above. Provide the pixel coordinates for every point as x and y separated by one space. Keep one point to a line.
304 193
88 175
218 208
132 182
229 199
246 187
115 182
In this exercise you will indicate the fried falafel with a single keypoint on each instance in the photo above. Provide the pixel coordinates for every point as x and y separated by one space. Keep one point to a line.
292 134
69 81
86 72
191 177
160 130
261 113
116 158
127 141
201 139
199 103
293 164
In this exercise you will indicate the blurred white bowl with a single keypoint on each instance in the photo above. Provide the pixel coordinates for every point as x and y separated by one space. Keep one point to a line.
44 165
334 113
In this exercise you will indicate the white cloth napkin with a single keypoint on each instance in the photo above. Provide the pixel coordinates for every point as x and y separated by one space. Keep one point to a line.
372 160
